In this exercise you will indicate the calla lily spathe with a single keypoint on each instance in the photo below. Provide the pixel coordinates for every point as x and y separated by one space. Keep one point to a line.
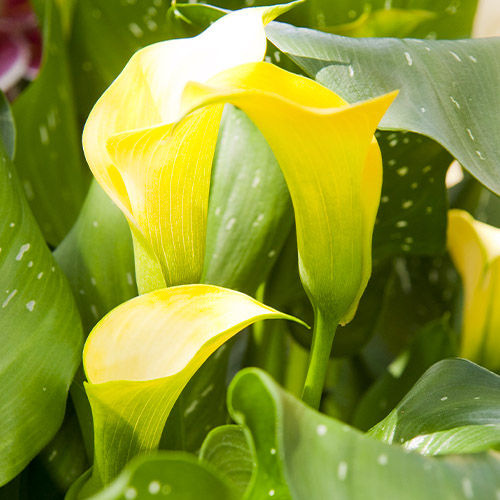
158 174
475 250
141 355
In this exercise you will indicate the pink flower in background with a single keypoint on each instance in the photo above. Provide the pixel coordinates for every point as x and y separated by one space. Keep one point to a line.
20 45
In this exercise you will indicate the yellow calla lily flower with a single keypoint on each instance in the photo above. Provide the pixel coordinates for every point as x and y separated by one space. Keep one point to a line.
475 250
140 356
159 175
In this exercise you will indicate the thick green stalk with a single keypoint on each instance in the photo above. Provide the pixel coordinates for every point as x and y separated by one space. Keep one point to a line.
323 333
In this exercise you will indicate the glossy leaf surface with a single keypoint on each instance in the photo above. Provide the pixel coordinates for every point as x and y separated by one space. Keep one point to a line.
439 96
41 332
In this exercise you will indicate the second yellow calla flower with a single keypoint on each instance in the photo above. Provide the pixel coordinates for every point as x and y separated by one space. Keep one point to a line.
475 250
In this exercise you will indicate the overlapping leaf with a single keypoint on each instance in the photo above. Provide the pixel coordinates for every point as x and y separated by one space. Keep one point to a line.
41 332
317 455
49 158
453 408
438 82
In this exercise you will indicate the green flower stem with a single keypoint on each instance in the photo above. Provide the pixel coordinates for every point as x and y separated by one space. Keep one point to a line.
323 334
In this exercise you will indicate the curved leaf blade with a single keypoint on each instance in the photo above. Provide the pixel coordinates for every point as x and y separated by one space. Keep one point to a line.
41 332
438 81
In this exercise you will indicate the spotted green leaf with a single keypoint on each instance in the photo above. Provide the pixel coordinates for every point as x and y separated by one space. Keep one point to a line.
48 153
41 332
453 408
317 455
227 449
104 37
97 258
433 343
439 95
176 476
250 212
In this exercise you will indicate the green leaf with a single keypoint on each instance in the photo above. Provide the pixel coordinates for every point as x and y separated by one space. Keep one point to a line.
97 258
439 95
104 37
7 127
457 401
321 457
226 448
433 343
412 215
49 158
178 476
430 19
41 332
250 211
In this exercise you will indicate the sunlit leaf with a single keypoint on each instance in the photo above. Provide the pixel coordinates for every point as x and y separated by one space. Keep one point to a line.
439 95
453 408
317 455
41 332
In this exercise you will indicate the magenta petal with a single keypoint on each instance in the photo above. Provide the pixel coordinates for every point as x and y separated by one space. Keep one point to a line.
14 61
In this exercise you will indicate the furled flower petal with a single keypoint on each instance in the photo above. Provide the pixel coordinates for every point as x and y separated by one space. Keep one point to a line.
141 355
132 123
475 250
331 163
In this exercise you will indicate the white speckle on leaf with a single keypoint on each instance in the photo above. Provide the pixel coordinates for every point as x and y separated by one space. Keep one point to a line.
391 163
30 263
422 109
151 25
409 59
455 102
28 189
230 223
402 171
444 398
480 155
467 487
39 275
44 134
428 210
130 493
93 310
470 134
273 451
271 254
135 30
456 56
154 487
130 279
271 493
30 305
351 71
217 211
52 455
426 169
321 430
393 143
207 390
342 471
382 459
191 407
95 223
256 181
473 59
384 199
93 281
7 300
24 248
12 224
407 204
401 223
